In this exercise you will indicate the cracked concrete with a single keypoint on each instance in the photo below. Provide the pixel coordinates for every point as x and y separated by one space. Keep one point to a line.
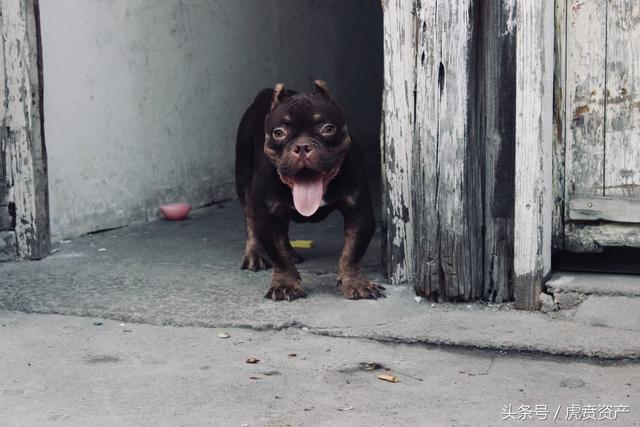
187 274
79 371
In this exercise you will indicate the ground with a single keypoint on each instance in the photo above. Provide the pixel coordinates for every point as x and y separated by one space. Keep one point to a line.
122 328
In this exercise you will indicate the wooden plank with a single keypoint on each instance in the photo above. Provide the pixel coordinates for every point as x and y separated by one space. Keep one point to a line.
622 128
614 209
534 106
397 138
559 122
585 83
593 238
495 103
24 139
448 200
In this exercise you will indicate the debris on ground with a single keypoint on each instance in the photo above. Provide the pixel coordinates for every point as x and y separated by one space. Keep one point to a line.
547 304
97 323
291 355
371 366
346 408
223 335
388 378
302 244
252 360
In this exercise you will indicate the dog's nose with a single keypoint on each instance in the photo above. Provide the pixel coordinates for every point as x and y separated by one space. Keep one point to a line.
302 148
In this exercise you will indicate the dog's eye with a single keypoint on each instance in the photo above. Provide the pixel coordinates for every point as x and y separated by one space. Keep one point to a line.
279 133
328 129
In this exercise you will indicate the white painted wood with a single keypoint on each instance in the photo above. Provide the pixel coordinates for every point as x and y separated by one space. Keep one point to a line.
534 106
397 137
602 124
614 209
622 141
585 84
26 158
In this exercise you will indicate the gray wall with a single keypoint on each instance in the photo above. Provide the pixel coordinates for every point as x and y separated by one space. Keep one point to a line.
142 98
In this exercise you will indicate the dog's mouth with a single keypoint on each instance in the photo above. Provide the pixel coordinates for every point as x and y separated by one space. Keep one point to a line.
308 188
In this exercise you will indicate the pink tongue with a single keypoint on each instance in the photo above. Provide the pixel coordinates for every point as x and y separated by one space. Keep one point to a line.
307 195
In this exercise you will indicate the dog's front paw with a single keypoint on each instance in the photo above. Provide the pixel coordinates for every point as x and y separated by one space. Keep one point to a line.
285 286
359 287
255 260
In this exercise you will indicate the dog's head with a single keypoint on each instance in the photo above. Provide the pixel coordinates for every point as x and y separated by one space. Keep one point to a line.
306 138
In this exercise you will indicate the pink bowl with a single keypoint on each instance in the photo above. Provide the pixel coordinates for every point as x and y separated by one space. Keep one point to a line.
175 211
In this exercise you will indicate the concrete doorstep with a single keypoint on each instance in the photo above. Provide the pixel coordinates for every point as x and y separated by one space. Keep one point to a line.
187 274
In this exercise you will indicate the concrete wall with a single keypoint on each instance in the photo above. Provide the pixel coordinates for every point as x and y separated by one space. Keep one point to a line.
143 97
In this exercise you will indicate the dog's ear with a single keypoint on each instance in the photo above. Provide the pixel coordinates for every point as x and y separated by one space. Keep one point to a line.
279 95
320 86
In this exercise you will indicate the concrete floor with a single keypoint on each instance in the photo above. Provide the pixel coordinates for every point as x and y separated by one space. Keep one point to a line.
170 287
68 371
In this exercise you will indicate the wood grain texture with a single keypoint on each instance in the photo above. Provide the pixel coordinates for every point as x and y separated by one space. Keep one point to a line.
23 139
585 83
397 138
622 127
614 209
447 166
495 107
559 123
534 103
594 238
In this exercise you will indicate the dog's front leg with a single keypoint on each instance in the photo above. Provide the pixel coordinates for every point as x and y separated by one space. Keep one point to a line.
272 234
359 226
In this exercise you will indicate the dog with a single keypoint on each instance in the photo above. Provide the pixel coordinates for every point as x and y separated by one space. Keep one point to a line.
295 161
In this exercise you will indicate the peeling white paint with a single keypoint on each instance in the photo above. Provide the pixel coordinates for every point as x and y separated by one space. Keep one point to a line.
23 127
397 137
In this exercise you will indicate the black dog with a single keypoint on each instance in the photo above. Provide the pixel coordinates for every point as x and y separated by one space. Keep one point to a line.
296 161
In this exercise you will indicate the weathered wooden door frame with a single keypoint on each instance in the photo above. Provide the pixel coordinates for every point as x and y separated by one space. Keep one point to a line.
413 56
22 131
534 145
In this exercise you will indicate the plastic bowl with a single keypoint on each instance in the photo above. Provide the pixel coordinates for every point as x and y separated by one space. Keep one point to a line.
175 211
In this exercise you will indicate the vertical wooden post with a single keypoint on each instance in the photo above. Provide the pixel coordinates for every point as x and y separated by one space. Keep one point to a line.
398 117
495 106
447 173
533 186
23 138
